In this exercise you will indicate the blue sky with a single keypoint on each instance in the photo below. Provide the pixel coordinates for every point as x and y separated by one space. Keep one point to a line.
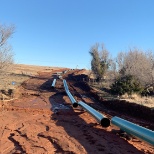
61 32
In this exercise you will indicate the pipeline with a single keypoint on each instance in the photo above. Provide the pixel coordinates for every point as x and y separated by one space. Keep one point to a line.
53 83
134 130
73 101
105 122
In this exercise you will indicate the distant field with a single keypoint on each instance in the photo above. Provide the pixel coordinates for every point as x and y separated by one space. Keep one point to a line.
32 69
22 72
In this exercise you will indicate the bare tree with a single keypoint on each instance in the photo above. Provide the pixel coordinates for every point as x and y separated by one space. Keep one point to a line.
95 62
137 63
100 61
113 74
6 55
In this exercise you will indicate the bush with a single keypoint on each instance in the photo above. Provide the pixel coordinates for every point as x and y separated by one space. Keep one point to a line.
127 84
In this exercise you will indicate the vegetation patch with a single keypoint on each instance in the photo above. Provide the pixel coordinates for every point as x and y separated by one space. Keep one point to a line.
127 84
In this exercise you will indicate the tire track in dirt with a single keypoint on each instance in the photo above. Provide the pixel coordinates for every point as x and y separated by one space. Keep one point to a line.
54 142
17 145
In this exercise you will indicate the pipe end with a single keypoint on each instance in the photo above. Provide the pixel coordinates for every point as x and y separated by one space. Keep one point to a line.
75 104
105 122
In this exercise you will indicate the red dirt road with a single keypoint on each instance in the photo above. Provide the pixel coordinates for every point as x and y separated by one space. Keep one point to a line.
43 121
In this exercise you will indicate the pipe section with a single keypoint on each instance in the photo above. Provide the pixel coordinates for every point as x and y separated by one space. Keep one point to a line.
105 122
73 101
133 129
53 83
65 85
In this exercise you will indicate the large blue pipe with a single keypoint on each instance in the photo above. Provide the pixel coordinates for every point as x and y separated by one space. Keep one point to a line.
105 122
73 101
133 129
53 83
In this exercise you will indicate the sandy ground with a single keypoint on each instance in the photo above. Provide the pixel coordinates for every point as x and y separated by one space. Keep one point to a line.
46 123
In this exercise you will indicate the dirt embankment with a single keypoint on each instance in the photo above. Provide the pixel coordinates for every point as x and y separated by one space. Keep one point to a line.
121 106
125 107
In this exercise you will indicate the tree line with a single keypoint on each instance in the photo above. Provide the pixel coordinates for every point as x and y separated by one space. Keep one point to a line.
130 71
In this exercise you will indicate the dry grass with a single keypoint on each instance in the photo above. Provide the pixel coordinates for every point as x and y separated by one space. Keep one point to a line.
31 69
19 74
135 98
7 83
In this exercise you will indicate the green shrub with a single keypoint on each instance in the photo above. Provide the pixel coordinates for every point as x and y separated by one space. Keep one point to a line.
127 84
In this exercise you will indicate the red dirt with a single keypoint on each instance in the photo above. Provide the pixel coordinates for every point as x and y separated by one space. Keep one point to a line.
42 121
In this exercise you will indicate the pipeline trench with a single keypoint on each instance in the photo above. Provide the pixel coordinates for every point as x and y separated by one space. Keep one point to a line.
43 120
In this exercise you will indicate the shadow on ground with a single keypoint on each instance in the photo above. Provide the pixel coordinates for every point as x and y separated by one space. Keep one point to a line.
91 137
